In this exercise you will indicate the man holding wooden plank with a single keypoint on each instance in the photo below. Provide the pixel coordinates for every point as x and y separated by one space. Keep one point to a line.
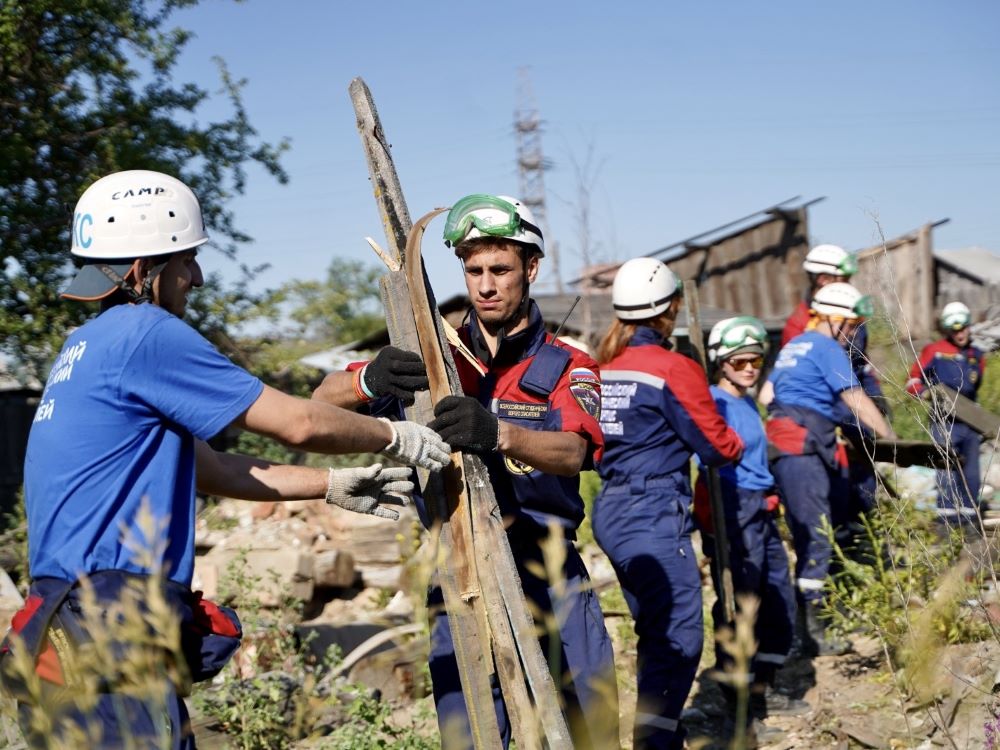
530 412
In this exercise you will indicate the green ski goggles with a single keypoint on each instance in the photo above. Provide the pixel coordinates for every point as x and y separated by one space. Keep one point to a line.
487 213
955 321
848 266
864 308
743 331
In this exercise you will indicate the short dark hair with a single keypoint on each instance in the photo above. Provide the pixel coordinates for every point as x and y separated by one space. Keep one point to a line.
469 247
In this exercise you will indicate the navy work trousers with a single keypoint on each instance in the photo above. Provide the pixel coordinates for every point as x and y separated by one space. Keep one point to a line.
958 490
760 568
645 529
585 673
811 491
152 715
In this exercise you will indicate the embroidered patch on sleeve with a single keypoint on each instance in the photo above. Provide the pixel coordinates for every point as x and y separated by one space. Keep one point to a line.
517 468
586 389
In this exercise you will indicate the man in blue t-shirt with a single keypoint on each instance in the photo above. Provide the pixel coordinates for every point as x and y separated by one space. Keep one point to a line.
118 448
812 375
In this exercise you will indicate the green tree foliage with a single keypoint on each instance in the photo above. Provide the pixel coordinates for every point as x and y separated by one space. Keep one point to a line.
86 89
342 308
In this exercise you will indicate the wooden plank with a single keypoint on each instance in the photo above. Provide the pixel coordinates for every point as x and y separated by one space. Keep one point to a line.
697 338
947 400
905 453
467 624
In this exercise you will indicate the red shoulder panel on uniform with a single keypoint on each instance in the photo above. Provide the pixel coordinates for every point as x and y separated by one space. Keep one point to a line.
796 323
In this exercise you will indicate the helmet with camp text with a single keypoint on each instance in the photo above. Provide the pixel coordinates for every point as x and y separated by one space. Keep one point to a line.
643 288
499 216
126 216
742 334
136 214
830 259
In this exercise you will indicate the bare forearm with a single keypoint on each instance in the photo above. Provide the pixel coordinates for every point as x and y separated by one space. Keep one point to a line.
868 412
766 394
246 478
337 388
312 425
560 453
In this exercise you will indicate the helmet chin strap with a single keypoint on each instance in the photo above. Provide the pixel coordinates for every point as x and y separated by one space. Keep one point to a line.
145 294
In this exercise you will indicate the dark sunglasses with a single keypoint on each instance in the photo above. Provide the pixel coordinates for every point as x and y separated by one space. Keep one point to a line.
741 364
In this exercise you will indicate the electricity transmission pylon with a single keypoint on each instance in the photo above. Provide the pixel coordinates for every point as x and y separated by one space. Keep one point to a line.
531 166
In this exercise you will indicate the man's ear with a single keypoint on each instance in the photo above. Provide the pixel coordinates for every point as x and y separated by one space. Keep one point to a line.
532 268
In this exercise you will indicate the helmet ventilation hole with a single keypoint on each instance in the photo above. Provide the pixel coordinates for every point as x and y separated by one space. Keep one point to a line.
111 220
172 214
173 238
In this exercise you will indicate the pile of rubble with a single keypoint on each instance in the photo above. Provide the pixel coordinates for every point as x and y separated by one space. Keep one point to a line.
347 568
302 549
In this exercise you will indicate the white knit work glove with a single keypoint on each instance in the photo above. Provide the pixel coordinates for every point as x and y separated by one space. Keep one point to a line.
416 445
362 489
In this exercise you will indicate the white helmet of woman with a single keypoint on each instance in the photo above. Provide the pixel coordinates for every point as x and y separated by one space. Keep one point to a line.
831 259
482 215
643 288
955 316
742 334
841 300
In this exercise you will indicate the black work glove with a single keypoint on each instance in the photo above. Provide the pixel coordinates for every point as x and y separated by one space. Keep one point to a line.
466 425
395 372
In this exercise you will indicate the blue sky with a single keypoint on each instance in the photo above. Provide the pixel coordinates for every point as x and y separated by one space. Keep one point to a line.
694 113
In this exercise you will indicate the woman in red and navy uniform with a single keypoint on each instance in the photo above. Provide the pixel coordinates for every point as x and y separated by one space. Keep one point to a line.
656 412
954 362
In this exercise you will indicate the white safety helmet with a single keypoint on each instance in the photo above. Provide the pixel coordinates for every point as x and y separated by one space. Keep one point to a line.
955 316
125 216
482 215
643 288
841 300
136 214
831 259
734 335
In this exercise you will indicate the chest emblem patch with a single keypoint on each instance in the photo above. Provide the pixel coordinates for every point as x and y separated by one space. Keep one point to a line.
586 389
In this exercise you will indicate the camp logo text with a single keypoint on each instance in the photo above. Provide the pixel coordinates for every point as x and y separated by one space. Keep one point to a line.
130 193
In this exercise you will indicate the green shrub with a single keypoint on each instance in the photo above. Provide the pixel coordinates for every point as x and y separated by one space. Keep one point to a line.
906 580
